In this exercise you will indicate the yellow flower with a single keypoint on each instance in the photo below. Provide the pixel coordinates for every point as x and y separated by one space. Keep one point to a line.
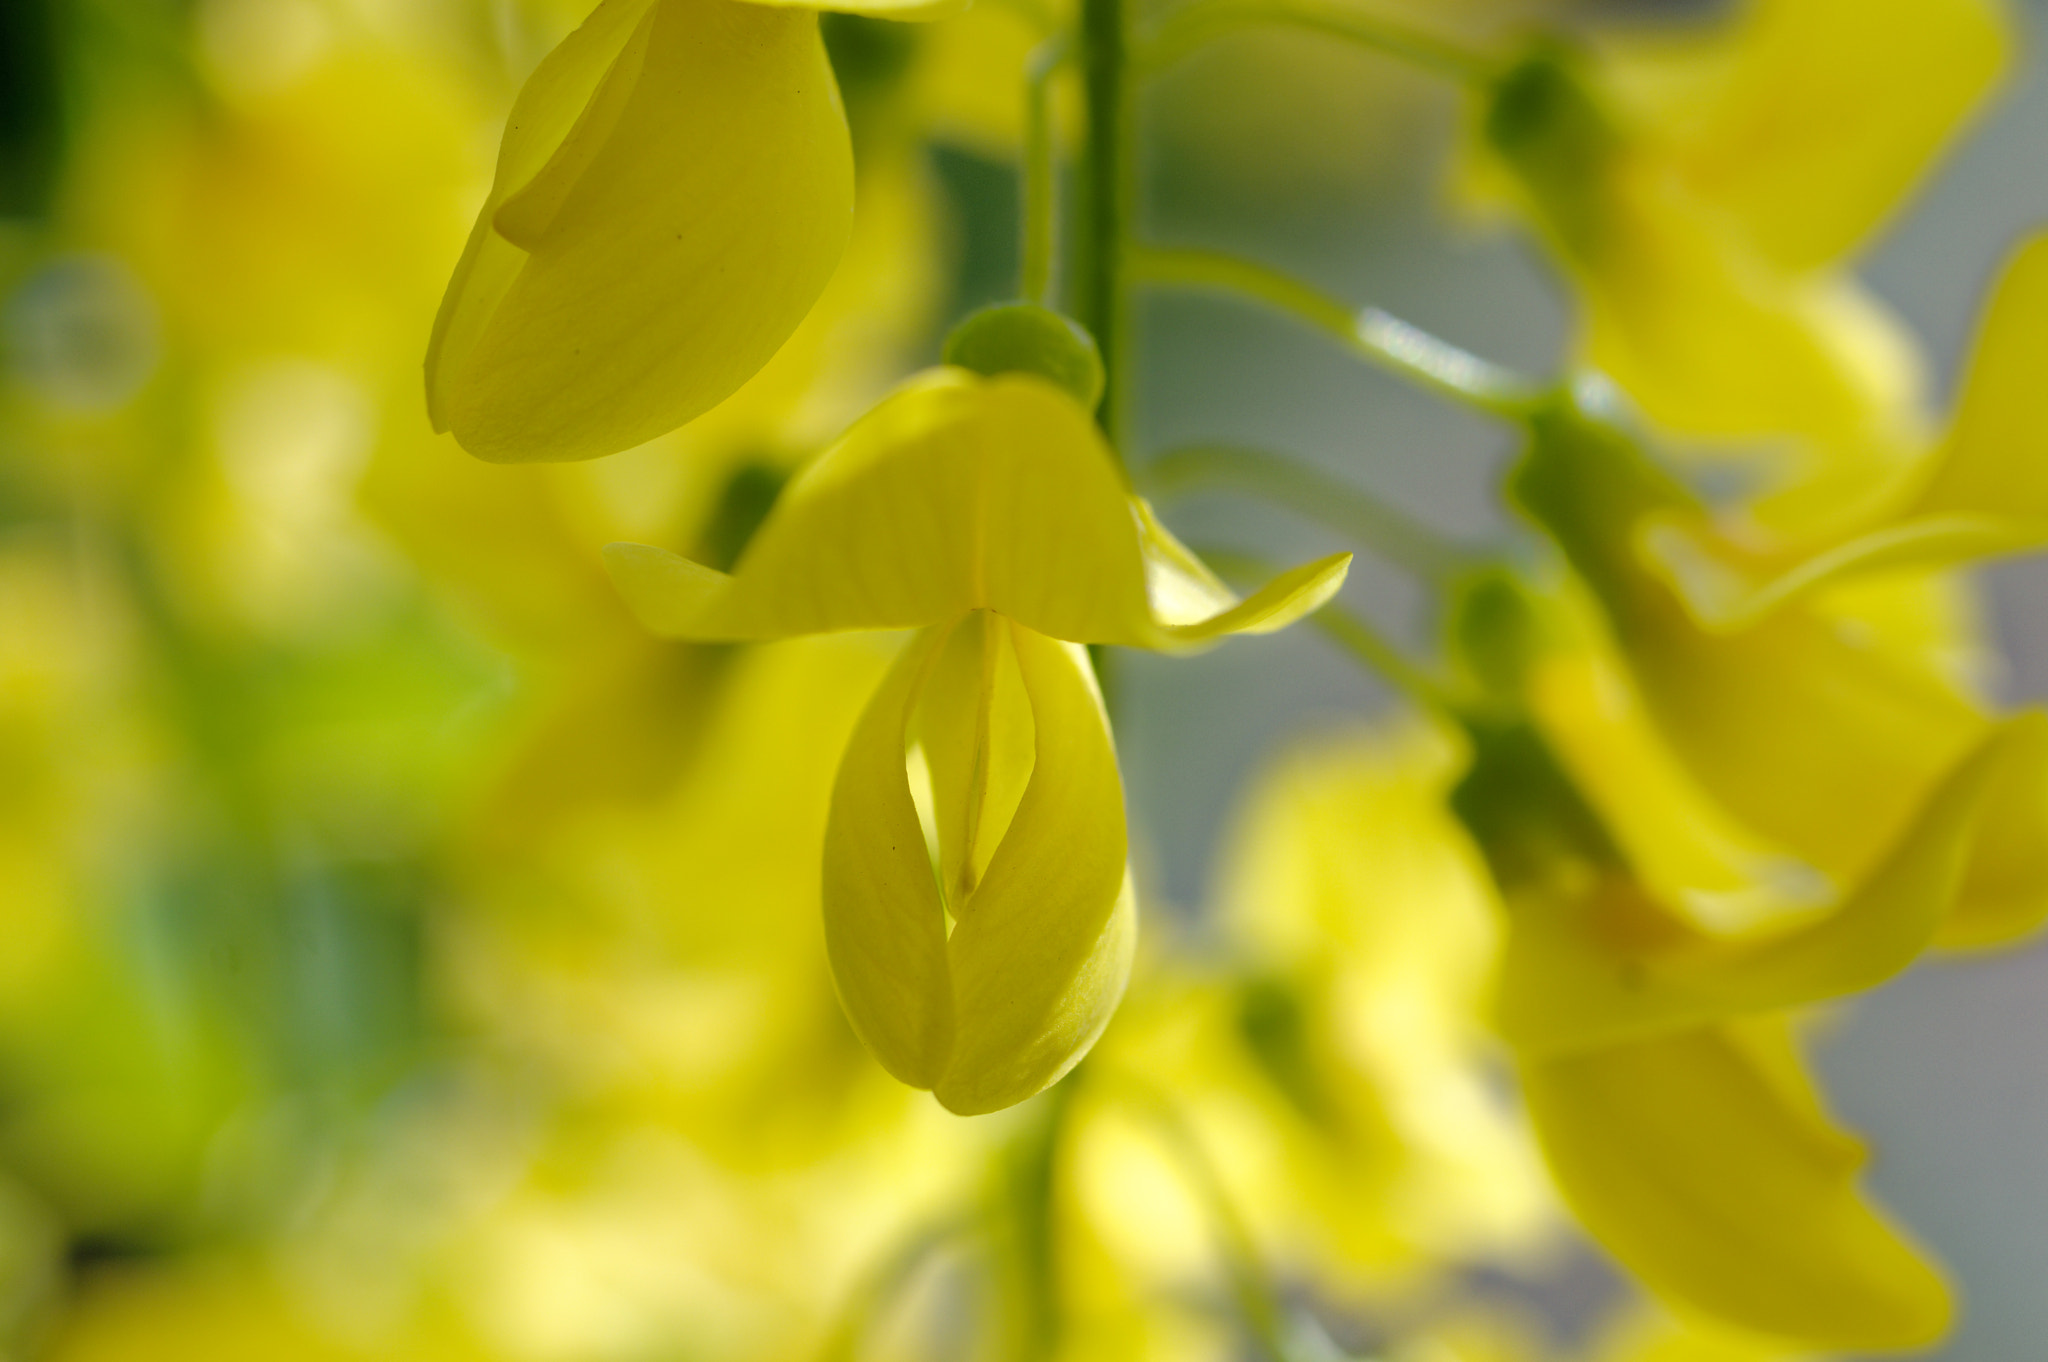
1704 191
1805 726
674 190
989 514
1705 1161
1370 931
1658 1064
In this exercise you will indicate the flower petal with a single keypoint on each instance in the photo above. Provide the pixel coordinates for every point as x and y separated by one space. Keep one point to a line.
1704 1162
1606 963
1797 134
1982 494
1041 953
885 926
1995 462
974 724
542 117
669 242
1805 726
960 493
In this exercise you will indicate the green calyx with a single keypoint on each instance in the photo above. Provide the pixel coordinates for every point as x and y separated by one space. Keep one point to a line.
1025 338
1546 123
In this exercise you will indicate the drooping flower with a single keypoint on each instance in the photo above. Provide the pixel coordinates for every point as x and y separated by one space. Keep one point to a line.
1654 1044
673 192
1805 726
1704 193
980 934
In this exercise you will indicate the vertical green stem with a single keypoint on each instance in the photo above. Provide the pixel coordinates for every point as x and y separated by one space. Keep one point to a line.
1041 170
1101 299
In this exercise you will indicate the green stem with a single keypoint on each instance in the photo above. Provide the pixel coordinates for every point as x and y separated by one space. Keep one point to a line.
1359 516
1257 1303
1041 169
1350 633
1101 297
1029 1179
1192 27
883 1286
1386 341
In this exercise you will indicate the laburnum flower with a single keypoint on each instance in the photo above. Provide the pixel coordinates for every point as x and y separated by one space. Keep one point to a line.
1705 193
978 912
1808 726
1656 1052
674 189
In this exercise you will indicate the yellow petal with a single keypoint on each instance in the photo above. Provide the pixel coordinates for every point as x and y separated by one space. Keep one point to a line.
1805 726
542 116
1791 124
639 260
2004 893
1718 345
1042 951
960 493
1983 493
885 926
1704 1162
1600 961
1995 462
975 728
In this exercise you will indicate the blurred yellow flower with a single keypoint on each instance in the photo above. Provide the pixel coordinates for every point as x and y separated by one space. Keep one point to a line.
1803 726
1705 191
1978 492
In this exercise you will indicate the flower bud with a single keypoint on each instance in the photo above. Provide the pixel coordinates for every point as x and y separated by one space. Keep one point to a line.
981 936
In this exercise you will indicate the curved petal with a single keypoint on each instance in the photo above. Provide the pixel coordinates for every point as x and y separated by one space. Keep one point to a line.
1043 948
545 111
1704 1162
1804 726
2004 893
1607 963
666 244
1797 133
960 493
885 926
1982 494
1995 461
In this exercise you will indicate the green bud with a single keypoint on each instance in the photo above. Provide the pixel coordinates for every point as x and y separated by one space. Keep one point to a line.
1024 338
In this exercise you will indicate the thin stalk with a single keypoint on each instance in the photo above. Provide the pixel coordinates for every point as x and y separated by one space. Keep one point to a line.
1359 516
1352 634
1108 170
1258 1304
1186 30
884 1285
1041 169
1386 341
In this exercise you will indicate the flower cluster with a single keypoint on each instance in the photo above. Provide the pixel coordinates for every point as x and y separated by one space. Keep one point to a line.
677 895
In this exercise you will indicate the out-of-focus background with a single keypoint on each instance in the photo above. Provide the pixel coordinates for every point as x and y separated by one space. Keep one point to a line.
352 910
1945 1070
